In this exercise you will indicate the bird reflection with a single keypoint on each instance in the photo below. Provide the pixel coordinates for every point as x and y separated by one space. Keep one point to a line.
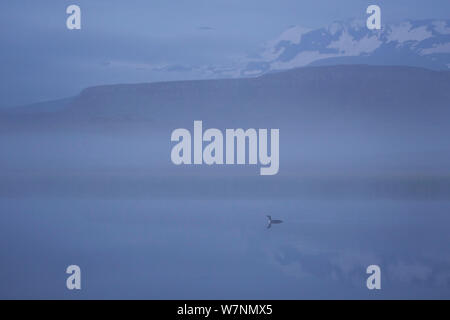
271 221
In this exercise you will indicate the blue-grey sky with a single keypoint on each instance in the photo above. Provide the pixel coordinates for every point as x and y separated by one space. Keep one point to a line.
41 59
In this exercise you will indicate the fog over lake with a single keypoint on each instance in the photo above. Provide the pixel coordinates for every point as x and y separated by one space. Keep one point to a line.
364 179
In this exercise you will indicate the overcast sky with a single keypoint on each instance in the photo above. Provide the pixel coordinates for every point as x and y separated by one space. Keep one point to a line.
41 59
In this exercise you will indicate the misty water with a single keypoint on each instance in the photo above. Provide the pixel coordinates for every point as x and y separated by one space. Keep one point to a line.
133 247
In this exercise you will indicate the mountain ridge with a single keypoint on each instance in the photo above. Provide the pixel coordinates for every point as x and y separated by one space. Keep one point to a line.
423 43
274 83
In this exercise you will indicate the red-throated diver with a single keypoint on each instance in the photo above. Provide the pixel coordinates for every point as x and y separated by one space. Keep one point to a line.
272 222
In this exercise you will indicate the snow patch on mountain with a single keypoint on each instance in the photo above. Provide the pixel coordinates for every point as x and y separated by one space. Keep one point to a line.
441 27
437 48
302 59
293 35
406 32
424 43
349 46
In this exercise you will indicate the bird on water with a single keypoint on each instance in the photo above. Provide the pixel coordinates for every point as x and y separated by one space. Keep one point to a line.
272 221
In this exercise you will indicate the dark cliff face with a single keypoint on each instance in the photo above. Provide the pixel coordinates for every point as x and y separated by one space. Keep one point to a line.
348 95
361 89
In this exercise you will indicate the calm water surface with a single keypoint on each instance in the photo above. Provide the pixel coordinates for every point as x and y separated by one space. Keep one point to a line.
176 248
